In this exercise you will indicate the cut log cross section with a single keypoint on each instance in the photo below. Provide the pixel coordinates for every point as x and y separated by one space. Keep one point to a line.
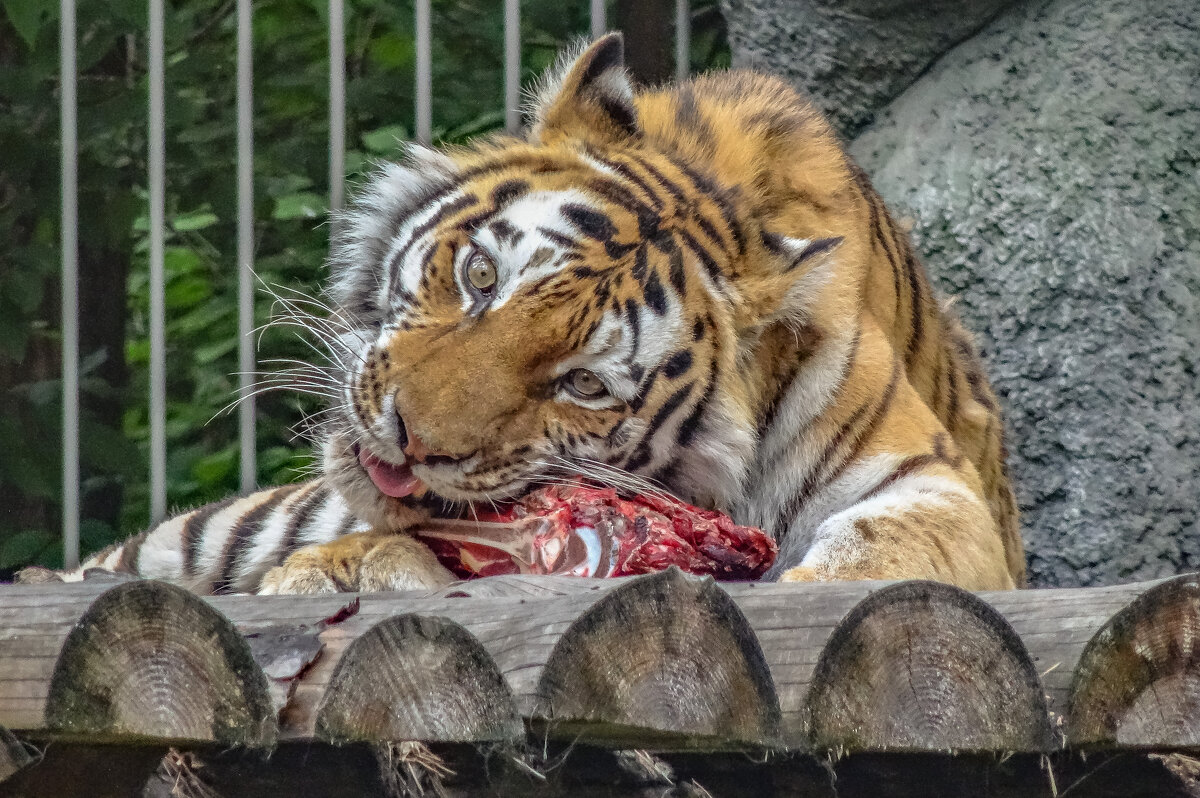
417 678
149 659
924 666
664 656
1138 679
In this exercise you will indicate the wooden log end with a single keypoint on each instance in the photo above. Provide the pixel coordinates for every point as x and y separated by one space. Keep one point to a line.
1138 679
665 654
152 660
923 666
413 677
13 754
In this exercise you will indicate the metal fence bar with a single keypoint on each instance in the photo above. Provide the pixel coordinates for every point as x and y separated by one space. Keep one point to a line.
599 20
156 140
69 222
245 243
512 66
424 109
337 104
683 40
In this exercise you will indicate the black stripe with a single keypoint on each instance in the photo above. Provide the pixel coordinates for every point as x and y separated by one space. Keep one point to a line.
507 191
706 260
669 186
906 467
563 241
677 274
639 399
191 535
656 298
347 525
640 268
677 364
610 54
642 455
433 221
631 312
300 517
127 563
591 223
916 329
621 113
691 425
629 174
720 197
815 248
243 532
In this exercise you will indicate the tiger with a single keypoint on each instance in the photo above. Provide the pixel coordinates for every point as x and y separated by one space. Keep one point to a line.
691 288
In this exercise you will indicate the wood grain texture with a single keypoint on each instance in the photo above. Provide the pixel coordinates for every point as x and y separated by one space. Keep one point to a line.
413 677
923 666
149 659
666 657
519 621
1138 680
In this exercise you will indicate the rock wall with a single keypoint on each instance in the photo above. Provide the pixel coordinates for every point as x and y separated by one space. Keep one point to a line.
854 56
1050 166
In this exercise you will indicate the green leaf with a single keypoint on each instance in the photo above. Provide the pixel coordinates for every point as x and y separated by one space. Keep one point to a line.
303 205
24 548
215 468
27 17
196 220
385 140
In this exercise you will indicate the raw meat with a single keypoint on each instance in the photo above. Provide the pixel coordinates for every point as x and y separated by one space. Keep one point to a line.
582 530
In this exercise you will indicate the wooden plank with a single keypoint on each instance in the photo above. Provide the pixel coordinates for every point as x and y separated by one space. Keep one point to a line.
152 660
519 621
1138 680
666 658
924 666
413 677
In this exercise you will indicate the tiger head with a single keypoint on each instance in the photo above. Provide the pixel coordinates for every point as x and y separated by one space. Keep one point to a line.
580 302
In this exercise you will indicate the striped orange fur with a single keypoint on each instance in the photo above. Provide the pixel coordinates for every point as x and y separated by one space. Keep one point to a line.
691 287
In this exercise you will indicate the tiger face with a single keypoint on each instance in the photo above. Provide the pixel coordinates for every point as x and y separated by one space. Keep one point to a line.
522 312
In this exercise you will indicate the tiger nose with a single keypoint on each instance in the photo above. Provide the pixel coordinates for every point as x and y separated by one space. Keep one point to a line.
413 447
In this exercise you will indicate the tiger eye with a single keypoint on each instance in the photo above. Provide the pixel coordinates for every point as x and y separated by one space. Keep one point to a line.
481 273
585 383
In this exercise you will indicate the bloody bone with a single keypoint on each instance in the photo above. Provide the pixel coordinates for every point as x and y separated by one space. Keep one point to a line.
581 530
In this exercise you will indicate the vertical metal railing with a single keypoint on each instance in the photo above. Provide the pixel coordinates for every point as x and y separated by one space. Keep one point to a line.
512 66
683 40
337 104
156 166
69 222
245 242
423 113
423 132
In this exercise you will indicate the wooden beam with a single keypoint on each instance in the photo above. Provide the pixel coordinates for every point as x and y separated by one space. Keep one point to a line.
662 658
923 666
535 633
1138 680
413 677
152 660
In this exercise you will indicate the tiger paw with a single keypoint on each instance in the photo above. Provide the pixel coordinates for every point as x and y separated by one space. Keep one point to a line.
359 562
799 574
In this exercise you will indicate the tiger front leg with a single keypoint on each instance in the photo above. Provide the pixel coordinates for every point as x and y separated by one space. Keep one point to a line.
921 528
362 561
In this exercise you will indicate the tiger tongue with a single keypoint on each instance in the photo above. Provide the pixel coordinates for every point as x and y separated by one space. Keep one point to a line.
392 480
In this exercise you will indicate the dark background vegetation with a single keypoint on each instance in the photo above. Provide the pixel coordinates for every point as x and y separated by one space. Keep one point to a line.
291 187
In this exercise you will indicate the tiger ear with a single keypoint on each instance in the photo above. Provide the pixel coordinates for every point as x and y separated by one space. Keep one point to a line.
587 96
791 285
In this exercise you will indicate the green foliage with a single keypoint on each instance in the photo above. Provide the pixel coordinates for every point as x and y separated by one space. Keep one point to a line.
291 186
